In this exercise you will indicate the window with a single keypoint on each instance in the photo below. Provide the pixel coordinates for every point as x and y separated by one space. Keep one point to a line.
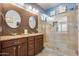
43 17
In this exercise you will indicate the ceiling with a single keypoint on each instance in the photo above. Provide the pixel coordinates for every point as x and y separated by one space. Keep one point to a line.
43 7
46 6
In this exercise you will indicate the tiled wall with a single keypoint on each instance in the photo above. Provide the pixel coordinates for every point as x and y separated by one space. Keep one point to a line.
65 43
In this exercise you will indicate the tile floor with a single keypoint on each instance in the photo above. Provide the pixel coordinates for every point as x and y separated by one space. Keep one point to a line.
52 52
49 52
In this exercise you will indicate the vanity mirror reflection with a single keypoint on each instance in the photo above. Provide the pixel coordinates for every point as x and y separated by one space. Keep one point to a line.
32 22
12 19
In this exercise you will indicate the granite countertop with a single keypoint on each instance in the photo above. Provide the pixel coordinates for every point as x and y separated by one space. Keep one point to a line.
9 37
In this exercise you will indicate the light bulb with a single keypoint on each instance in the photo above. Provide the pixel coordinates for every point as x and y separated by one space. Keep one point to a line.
34 9
30 7
37 11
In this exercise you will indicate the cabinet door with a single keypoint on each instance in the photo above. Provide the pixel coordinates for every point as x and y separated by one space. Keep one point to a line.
22 49
36 46
40 44
0 48
30 46
10 51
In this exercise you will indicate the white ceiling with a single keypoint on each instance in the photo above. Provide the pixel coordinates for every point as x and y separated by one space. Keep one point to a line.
46 6
43 7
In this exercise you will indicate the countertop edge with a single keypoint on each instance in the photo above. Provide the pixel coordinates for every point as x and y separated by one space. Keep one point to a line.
5 38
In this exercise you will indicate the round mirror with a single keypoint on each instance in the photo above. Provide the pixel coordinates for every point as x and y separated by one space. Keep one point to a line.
12 19
32 22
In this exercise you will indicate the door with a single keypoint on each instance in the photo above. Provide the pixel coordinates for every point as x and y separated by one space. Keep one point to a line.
22 49
10 51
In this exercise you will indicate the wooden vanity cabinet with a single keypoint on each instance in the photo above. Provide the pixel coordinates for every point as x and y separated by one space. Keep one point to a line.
41 45
30 46
16 47
9 47
22 49
38 44
10 51
25 46
0 48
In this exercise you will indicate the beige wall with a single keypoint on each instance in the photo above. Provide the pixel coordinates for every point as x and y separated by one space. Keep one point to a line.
65 43
41 28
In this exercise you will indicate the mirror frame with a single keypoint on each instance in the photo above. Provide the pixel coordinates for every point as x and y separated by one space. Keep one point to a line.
19 16
32 20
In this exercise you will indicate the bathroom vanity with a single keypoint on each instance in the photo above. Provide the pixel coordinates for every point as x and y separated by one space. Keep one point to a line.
21 45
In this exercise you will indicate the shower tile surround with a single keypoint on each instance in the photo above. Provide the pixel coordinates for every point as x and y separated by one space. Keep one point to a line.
65 43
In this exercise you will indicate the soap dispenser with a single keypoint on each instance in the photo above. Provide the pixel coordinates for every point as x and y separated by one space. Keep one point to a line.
25 31
0 28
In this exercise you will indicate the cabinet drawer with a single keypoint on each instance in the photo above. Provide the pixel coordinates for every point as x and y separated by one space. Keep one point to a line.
10 51
31 46
30 42
30 39
9 43
22 40
39 37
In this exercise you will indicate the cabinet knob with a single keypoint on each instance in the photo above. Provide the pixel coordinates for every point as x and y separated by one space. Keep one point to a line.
15 42
14 48
19 46
18 42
